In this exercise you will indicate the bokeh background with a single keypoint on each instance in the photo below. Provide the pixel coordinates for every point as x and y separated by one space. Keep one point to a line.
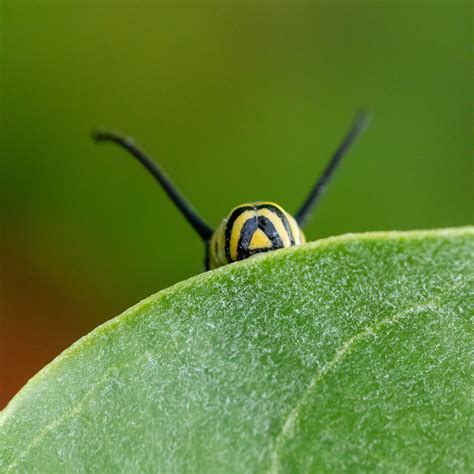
237 101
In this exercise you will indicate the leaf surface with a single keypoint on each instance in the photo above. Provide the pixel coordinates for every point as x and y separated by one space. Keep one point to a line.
350 353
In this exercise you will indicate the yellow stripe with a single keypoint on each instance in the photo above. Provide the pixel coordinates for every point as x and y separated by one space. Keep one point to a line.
217 257
297 233
260 241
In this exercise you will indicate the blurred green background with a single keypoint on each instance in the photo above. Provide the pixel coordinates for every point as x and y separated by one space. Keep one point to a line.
237 101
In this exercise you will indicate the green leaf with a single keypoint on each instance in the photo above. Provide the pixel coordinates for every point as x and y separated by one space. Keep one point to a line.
350 353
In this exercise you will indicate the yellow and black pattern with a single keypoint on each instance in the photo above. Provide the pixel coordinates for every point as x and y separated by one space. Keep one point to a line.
250 229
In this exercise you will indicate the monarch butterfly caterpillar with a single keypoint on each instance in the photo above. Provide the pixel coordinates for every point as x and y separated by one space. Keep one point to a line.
249 228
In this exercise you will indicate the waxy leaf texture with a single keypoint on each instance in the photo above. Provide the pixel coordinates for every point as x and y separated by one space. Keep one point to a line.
347 354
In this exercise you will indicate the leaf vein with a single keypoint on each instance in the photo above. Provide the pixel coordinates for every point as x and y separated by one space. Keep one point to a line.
74 411
288 428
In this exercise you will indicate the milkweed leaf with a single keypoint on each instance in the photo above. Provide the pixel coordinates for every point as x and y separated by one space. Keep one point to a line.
346 354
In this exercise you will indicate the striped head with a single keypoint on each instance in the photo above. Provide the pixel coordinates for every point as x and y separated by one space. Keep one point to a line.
251 229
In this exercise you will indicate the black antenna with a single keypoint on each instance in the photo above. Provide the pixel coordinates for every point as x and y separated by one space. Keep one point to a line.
198 224
357 128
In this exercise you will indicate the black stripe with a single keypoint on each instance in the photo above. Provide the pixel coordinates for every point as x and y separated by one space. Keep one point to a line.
249 228
228 228
207 257
267 226
282 217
